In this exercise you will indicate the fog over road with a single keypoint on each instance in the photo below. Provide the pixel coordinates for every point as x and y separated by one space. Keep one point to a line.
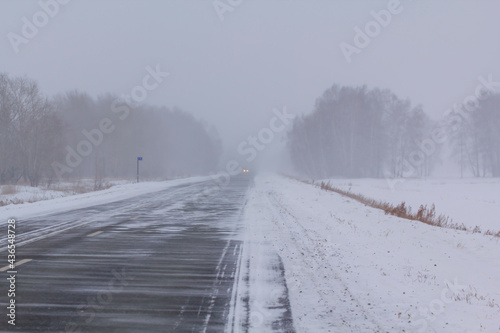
159 262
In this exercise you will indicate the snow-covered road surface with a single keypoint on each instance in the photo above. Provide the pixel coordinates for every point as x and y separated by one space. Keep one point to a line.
351 268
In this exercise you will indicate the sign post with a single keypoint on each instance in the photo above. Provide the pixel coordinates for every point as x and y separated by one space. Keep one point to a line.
138 159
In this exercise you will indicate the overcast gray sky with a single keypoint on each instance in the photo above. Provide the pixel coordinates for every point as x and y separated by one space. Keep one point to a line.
264 54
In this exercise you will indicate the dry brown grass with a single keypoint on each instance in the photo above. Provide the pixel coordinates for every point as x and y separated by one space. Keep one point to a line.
492 233
424 214
102 186
15 201
8 189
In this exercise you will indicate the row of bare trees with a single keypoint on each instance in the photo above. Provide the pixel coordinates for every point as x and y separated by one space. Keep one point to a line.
30 131
76 136
357 132
171 142
475 133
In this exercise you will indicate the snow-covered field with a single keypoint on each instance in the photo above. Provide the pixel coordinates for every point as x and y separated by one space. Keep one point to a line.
351 268
471 201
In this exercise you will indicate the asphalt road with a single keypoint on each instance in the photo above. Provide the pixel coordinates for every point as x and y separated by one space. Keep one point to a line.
161 262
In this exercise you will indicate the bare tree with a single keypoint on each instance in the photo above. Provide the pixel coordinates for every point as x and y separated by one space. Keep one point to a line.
30 131
475 133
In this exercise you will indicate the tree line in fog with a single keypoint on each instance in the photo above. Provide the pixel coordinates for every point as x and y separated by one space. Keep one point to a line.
358 132
475 136
352 132
74 135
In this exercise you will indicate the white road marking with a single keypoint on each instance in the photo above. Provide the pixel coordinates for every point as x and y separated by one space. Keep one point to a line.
19 263
94 234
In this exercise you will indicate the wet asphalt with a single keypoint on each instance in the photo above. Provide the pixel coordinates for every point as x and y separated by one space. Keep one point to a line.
160 262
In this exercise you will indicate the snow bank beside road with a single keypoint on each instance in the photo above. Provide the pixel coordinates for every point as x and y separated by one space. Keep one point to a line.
17 194
351 268
115 193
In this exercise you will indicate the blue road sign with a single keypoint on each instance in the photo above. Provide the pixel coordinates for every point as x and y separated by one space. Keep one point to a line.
139 158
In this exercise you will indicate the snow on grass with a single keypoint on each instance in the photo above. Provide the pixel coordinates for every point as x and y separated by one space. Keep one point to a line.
472 201
18 194
351 268
66 200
